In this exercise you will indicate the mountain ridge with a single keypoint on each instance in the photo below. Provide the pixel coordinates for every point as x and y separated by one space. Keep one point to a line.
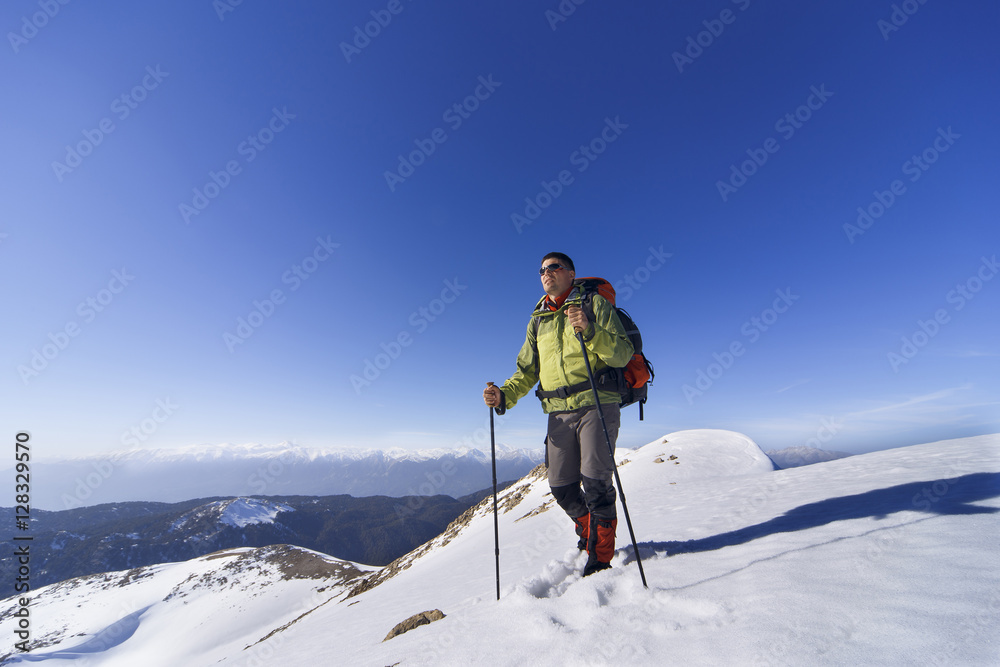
202 471
85 541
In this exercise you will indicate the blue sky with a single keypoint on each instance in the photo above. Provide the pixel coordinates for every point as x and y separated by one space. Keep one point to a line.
171 170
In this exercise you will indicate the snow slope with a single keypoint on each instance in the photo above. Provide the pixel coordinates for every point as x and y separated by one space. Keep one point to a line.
883 558
210 607
238 512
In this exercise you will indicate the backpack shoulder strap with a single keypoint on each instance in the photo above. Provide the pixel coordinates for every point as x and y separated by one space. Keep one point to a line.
588 288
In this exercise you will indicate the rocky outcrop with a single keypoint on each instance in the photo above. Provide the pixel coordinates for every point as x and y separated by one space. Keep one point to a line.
415 621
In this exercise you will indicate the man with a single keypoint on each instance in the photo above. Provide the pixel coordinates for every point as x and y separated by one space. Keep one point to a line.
576 449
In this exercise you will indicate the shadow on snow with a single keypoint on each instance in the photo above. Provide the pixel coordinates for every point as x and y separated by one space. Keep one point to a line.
951 496
113 635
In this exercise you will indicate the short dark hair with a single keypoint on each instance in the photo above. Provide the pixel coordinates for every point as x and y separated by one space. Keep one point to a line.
563 259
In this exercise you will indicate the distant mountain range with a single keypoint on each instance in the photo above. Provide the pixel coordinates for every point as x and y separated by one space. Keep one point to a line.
122 536
202 471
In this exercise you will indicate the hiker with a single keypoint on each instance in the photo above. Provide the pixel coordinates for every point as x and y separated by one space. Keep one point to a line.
576 450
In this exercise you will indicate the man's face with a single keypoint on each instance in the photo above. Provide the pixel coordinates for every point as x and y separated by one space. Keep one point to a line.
555 282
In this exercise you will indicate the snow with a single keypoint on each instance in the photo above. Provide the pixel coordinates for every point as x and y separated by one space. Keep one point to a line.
891 557
238 512
176 614
242 512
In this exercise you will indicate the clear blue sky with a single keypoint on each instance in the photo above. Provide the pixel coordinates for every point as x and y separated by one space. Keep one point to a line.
119 117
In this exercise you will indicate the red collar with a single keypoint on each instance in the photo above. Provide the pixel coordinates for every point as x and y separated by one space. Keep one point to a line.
559 300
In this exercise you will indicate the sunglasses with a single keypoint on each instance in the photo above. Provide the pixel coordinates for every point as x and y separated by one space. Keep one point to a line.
551 268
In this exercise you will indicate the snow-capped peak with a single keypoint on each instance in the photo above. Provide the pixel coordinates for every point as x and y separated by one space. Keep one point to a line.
242 512
237 512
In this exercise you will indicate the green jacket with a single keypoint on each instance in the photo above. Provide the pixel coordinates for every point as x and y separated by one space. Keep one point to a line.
555 359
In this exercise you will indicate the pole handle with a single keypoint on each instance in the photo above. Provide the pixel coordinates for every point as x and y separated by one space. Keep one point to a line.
577 329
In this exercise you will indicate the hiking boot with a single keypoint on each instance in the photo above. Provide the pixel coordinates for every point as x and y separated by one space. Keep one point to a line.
595 566
602 545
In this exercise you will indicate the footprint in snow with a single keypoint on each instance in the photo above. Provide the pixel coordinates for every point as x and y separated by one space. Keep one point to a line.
557 576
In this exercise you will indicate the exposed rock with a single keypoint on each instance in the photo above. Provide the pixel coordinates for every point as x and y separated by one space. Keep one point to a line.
484 507
296 563
415 621
514 498
544 507
540 471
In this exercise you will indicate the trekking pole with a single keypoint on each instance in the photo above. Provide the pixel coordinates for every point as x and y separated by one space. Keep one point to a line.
618 481
496 520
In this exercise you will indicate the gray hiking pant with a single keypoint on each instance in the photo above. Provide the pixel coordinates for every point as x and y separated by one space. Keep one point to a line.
575 445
